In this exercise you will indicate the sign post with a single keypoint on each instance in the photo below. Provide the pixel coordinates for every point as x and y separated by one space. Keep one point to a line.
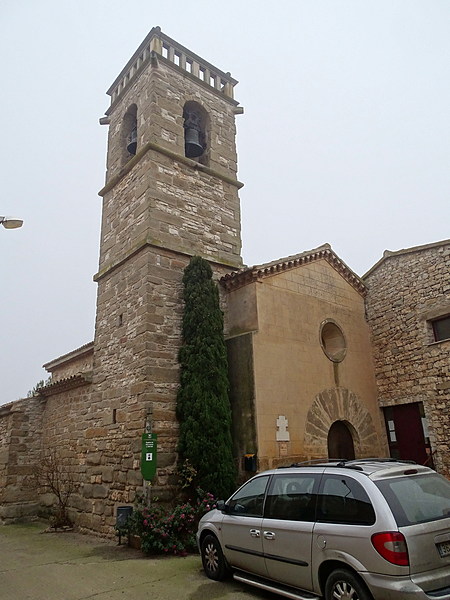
148 455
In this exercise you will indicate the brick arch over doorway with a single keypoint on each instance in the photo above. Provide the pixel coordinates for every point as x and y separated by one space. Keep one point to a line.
339 404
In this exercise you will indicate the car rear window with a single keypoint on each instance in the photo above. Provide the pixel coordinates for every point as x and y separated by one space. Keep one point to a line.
343 500
417 498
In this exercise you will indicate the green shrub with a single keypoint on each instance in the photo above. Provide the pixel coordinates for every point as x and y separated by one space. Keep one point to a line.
203 406
168 531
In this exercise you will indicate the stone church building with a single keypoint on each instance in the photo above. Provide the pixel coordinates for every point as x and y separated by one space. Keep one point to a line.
322 363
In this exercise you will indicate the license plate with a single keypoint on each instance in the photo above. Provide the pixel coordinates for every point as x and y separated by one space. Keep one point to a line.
444 548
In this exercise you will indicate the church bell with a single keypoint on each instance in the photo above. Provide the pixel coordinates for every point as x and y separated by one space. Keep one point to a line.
132 141
192 146
192 134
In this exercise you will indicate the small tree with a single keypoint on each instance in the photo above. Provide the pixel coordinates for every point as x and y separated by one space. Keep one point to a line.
203 406
52 475
40 384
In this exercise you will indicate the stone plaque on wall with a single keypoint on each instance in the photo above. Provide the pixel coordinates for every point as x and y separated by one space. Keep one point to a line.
283 448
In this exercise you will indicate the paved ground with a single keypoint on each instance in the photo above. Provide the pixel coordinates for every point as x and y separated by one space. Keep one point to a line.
68 566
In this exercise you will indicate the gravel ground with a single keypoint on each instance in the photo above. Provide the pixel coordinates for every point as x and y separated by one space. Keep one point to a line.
40 565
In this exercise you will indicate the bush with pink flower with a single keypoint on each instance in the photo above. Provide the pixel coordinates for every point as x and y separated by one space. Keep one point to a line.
168 531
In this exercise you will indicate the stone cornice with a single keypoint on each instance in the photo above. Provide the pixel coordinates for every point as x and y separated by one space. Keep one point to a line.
174 156
63 385
73 355
238 109
248 275
414 249
158 46
149 241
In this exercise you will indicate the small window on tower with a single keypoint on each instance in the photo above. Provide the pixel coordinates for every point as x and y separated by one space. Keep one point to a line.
195 131
441 328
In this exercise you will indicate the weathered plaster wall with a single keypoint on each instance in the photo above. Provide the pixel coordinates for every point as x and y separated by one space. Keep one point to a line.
242 398
81 362
294 378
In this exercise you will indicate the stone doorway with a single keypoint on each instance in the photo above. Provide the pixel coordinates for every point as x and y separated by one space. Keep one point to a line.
340 405
340 441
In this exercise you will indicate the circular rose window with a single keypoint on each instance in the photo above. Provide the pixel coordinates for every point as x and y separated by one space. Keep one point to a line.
332 341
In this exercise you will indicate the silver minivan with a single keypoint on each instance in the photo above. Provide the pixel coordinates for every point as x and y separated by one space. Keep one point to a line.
368 529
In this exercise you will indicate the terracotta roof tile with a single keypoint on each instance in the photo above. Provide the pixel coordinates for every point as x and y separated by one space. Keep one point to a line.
247 275
62 385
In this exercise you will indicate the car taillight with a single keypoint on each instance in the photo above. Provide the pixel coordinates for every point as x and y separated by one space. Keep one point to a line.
392 546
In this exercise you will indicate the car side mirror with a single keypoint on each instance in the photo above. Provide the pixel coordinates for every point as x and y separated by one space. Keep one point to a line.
222 506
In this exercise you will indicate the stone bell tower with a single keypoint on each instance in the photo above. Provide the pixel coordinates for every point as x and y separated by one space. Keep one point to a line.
171 192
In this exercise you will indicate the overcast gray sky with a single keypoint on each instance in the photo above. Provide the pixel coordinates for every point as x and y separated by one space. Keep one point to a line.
345 139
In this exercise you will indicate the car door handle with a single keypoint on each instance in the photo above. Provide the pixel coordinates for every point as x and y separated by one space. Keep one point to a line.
255 532
269 535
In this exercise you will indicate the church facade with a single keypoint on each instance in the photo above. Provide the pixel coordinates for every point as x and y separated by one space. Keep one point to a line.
312 374
308 376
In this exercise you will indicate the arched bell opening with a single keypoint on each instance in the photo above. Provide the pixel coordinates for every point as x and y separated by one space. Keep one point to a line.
195 123
340 441
129 134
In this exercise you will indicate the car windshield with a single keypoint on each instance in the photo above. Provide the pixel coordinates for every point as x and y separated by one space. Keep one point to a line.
417 499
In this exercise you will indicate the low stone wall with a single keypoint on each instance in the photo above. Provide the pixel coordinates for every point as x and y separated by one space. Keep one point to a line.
20 447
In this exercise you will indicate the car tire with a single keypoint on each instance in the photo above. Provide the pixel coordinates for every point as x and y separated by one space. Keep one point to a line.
343 585
213 560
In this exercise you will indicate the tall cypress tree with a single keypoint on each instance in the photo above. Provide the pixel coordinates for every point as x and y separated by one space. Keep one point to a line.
203 406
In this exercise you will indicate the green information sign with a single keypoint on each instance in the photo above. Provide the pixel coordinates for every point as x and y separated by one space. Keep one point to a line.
148 455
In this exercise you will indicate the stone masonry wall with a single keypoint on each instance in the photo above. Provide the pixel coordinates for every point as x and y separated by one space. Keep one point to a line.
136 362
169 204
20 447
160 93
172 203
4 445
159 209
74 428
136 380
405 291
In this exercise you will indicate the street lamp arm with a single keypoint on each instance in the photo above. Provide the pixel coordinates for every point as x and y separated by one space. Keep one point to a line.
11 222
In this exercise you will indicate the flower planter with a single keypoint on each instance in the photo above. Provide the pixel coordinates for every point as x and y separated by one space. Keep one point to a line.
134 541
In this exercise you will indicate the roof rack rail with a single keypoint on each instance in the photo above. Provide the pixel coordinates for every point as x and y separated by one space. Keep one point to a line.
305 463
344 462
380 460
347 465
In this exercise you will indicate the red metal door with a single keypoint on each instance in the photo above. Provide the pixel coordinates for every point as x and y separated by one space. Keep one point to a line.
410 440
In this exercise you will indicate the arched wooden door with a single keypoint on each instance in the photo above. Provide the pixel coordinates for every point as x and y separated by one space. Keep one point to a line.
340 441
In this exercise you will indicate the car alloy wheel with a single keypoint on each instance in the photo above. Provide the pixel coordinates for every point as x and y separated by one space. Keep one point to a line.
343 585
212 558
